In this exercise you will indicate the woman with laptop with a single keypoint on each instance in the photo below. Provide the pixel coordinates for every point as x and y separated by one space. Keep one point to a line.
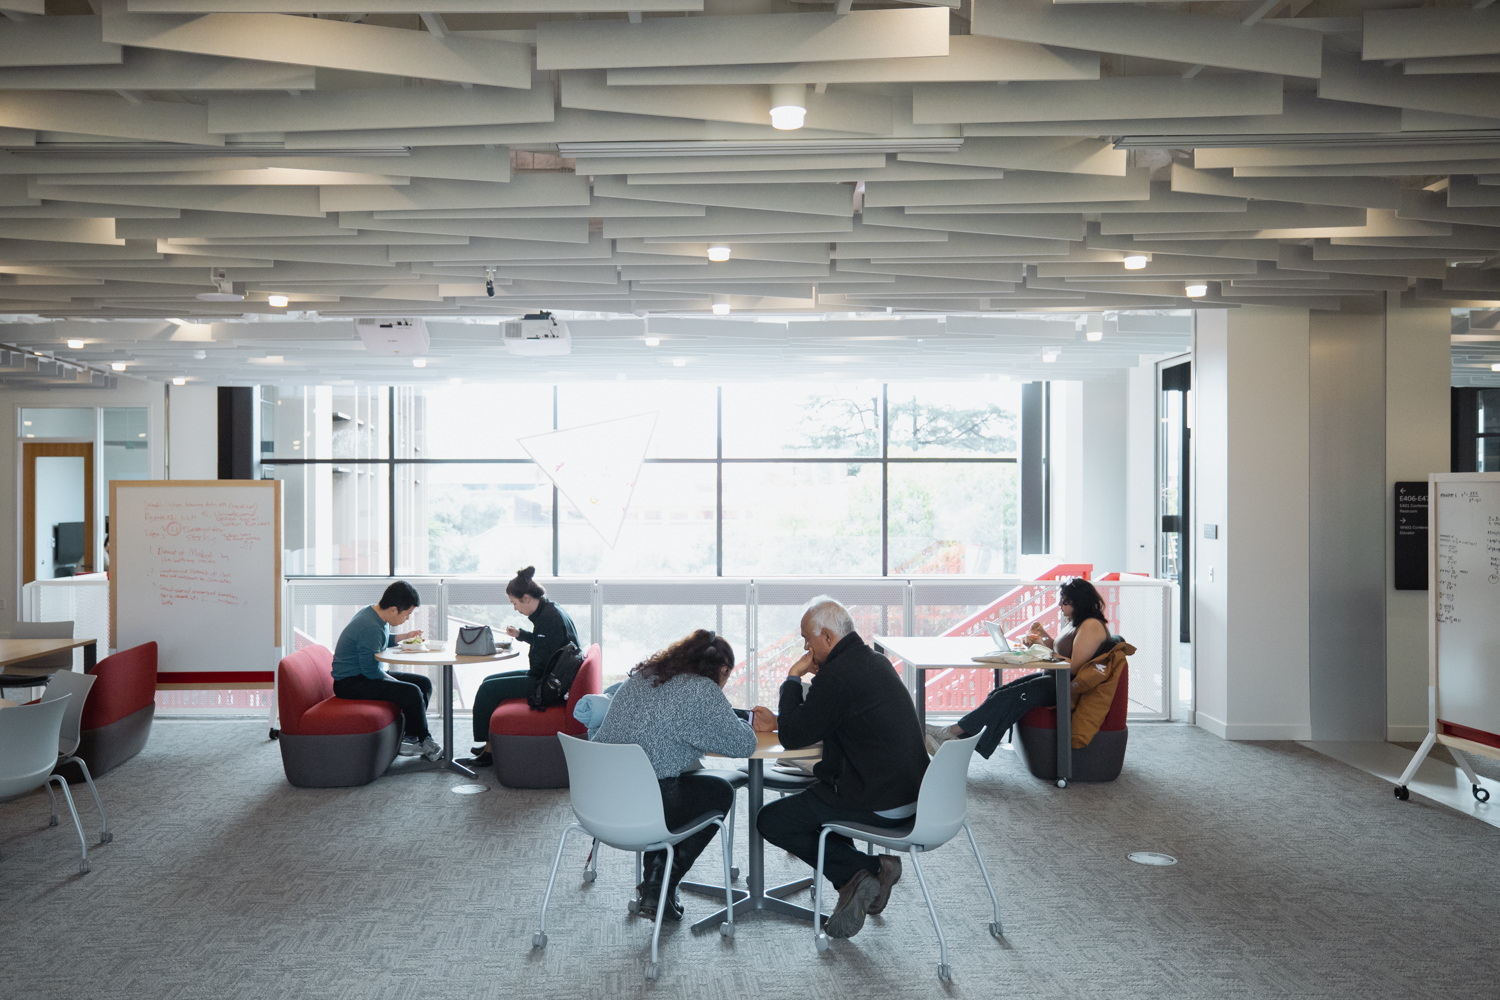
1086 639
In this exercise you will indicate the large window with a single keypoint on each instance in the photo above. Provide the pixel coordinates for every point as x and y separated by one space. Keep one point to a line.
858 479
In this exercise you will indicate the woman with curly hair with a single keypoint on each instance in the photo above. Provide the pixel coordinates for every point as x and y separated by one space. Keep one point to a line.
1087 639
673 707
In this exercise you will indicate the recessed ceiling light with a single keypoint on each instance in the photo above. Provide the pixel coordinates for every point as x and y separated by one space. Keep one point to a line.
179 381
679 362
278 301
419 362
75 345
1197 290
1136 261
118 366
788 105
719 254
653 341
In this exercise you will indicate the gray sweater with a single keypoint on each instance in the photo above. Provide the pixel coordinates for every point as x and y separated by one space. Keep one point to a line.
676 723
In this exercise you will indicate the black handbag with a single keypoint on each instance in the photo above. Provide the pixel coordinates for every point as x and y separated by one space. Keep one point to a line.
557 680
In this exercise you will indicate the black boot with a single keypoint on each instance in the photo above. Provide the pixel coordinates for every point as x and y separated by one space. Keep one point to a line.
649 890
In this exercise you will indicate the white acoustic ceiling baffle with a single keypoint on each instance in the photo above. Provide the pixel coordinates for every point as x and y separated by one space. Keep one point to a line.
403 337
596 467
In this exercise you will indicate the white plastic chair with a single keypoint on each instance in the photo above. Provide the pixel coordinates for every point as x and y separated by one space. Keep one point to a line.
66 682
28 753
942 808
617 800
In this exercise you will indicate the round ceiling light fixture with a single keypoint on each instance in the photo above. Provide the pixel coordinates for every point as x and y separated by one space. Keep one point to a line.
1136 261
75 345
1197 290
419 362
788 105
653 341
278 301
718 254
721 305
179 381
118 366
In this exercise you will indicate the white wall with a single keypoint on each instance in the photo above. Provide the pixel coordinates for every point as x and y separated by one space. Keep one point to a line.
1251 477
194 432
1102 496
59 498
1417 423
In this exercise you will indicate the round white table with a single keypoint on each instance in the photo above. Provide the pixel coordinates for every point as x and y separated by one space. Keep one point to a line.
441 656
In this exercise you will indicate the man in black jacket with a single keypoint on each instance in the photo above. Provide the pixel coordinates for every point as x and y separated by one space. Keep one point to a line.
872 766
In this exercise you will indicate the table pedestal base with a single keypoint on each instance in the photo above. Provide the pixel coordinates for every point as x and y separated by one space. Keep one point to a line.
744 903
416 765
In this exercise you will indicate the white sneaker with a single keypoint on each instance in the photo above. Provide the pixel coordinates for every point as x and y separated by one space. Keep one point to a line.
409 747
430 749
935 737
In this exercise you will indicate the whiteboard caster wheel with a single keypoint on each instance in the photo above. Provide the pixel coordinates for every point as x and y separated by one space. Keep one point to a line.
734 874
996 932
945 973
1402 793
539 940
275 734
589 874
726 929
653 971
822 942
634 906
106 836
1062 782
1482 794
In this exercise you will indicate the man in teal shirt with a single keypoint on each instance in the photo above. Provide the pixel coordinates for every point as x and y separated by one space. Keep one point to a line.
357 674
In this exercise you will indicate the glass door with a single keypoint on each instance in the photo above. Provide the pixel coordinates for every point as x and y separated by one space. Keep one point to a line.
1173 488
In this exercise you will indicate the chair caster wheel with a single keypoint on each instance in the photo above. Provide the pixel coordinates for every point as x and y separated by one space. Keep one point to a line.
734 874
52 821
84 869
653 971
726 929
539 940
1482 794
589 874
1402 793
275 734
822 942
945 973
1062 782
106 837
634 906
996 932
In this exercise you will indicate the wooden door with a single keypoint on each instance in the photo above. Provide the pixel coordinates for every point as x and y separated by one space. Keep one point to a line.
30 452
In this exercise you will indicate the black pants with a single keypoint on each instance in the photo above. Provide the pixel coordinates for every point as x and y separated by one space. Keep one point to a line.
683 799
408 692
794 823
495 689
1005 706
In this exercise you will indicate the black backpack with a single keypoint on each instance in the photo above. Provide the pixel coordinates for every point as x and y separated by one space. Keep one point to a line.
557 680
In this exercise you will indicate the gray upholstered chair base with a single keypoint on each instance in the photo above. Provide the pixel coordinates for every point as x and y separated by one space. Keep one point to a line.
1101 760
107 747
529 761
339 761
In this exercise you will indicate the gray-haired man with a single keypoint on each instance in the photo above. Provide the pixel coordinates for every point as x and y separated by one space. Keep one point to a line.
872 766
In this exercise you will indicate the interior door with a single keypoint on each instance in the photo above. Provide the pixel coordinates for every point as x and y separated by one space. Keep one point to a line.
1173 490
56 494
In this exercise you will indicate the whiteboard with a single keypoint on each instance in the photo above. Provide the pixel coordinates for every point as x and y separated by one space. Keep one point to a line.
1464 545
195 566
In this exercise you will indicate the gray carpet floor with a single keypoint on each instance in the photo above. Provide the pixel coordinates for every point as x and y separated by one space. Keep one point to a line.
1298 877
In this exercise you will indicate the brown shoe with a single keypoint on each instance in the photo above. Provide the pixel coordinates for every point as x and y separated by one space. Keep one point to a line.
890 874
854 902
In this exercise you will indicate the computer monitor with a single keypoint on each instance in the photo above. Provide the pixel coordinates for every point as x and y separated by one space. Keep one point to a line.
68 545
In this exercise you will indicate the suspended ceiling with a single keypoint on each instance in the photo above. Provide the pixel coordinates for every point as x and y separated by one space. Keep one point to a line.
380 157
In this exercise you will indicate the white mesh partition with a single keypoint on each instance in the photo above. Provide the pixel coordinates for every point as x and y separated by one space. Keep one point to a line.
877 607
1141 612
960 607
643 616
474 601
82 600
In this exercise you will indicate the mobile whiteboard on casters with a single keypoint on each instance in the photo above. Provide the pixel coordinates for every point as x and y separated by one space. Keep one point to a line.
1463 608
195 566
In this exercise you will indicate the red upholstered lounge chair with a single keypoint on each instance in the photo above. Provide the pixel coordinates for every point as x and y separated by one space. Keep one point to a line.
524 743
329 742
1101 760
116 719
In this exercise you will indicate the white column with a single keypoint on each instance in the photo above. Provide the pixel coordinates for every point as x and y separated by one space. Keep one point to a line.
1102 491
1141 435
195 432
1417 423
1250 457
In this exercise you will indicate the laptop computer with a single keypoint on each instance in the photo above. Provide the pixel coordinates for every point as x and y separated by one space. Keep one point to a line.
997 633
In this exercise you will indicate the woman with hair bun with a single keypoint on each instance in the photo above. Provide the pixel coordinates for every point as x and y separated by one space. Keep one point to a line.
673 707
551 630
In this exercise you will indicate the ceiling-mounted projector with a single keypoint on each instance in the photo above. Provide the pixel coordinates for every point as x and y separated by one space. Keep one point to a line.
536 334
403 337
